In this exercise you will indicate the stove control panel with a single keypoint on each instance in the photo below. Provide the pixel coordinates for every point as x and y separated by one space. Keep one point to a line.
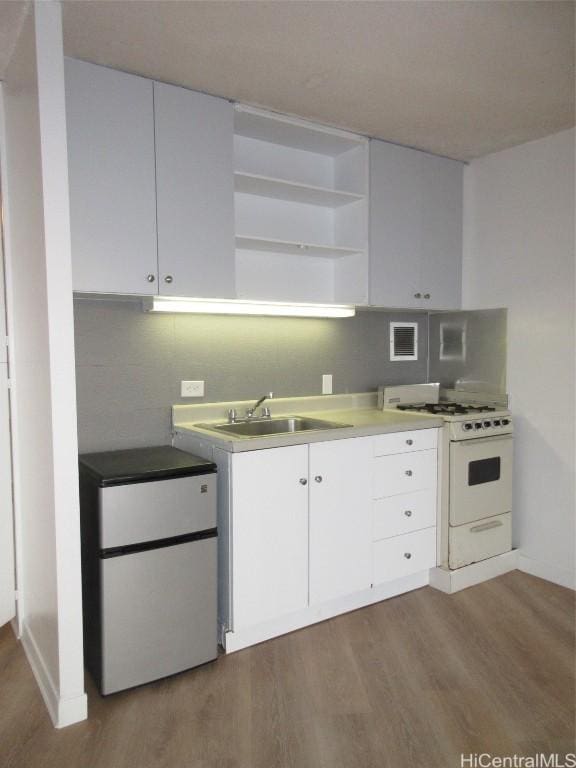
490 426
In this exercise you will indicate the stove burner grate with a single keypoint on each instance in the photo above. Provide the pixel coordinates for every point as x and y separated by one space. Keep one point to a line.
446 409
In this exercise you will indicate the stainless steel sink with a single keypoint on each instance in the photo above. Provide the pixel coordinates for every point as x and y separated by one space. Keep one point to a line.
279 426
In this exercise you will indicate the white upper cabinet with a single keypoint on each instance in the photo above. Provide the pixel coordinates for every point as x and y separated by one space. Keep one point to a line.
110 122
195 193
415 228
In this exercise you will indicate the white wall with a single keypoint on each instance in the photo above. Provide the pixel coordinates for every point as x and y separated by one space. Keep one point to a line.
519 253
40 327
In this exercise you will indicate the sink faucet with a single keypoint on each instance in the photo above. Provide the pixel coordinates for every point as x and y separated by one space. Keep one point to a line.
250 412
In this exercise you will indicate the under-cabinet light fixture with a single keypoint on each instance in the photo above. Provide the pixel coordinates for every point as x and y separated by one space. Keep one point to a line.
224 307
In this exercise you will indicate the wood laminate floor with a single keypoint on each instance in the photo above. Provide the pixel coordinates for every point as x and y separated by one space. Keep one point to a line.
412 681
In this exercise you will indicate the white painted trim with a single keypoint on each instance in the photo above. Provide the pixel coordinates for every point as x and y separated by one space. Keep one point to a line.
462 578
12 356
548 572
57 243
235 641
62 711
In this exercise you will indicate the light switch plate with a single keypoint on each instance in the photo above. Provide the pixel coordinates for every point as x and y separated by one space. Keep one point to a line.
326 383
192 389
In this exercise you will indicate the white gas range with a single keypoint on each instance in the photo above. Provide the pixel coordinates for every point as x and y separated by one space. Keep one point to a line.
475 460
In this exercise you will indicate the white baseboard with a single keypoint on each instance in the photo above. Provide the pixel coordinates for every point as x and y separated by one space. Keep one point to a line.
548 572
62 711
235 641
462 578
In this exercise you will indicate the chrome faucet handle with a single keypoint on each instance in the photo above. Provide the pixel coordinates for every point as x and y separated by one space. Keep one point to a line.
266 412
232 415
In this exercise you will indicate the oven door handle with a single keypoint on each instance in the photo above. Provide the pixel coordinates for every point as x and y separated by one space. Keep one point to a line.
481 440
486 526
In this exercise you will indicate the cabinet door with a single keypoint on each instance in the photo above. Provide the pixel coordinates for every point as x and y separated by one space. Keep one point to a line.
441 181
110 122
340 518
195 190
270 534
415 228
395 225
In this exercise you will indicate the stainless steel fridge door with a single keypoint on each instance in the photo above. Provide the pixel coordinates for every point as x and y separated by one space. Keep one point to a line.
158 613
138 512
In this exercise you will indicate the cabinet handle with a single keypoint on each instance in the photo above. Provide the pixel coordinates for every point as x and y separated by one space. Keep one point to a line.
426 295
417 295
408 473
318 478
303 481
407 555
409 442
150 278
168 279
408 513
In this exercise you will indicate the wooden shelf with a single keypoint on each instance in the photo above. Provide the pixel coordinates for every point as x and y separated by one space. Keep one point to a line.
246 243
280 189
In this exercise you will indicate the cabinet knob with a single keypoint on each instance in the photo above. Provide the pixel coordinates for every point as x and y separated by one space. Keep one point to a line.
426 295
417 295
408 513
407 555
150 278
408 473
168 279
318 478
409 442
303 481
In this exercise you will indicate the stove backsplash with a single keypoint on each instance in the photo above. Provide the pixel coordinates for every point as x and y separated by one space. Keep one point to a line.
468 350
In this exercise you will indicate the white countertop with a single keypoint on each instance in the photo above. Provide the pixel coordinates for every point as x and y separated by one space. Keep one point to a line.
359 411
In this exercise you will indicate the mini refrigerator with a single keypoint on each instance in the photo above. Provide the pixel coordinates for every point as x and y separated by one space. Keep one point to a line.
149 564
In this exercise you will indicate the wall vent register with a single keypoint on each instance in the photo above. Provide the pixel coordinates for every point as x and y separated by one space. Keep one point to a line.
403 341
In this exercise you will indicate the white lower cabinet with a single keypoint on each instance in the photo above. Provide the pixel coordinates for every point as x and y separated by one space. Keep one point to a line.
269 534
314 527
404 504
340 518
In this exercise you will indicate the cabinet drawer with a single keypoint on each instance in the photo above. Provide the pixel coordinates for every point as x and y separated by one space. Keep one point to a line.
403 555
401 442
404 473
480 540
405 513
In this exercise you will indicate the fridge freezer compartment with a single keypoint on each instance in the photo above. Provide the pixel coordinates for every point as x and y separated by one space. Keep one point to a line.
157 510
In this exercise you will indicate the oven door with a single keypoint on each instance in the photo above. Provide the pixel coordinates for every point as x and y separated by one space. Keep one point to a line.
480 478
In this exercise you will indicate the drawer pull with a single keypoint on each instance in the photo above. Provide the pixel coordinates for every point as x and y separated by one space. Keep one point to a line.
408 513
303 481
486 526
408 473
407 555
409 442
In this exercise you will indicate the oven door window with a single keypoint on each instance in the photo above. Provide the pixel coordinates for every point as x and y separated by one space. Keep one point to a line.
484 471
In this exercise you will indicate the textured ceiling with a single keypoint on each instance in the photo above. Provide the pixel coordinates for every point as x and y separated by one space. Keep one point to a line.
459 78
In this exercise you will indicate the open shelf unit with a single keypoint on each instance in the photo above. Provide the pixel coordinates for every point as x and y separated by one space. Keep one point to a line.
301 210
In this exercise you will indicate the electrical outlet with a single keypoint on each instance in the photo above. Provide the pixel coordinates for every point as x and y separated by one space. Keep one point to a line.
326 383
192 389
